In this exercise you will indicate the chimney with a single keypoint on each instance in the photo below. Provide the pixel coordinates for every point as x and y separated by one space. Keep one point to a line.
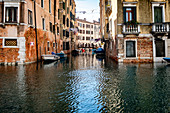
84 19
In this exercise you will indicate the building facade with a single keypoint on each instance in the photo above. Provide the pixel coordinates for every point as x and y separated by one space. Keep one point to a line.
88 36
137 30
17 29
67 25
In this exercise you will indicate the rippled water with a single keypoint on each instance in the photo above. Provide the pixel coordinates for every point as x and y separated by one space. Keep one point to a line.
85 84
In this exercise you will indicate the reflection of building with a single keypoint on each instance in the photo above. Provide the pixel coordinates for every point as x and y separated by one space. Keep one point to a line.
136 31
17 33
88 36
67 24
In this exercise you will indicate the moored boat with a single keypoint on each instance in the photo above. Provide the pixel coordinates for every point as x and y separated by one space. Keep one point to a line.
100 51
50 57
167 59
61 55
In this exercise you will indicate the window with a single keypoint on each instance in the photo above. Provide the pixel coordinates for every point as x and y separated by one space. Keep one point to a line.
160 48
58 13
43 23
130 49
68 10
158 16
83 38
83 25
51 27
64 18
67 34
54 29
64 32
87 26
87 32
48 46
91 26
10 42
57 30
49 6
91 32
129 14
11 14
80 31
83 31
30 17
64 44
67 46
68 22
64 5
87 38
42 3
80 24
53 44
70 2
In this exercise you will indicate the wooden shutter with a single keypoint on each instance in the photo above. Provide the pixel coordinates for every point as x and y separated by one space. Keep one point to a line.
134 13
22 13
124 14
1 12
158 14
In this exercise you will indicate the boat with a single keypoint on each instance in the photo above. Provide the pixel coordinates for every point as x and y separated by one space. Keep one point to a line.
167 59
50 57
100 51
61 55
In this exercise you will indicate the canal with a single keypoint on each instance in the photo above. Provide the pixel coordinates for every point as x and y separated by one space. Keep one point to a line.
85 84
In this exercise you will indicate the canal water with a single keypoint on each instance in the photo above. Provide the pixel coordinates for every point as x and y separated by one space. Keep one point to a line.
85 84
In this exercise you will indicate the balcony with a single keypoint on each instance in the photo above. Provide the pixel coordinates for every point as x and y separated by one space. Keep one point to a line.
131 29
161 28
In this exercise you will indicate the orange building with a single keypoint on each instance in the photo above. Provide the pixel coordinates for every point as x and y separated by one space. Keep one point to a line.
17 30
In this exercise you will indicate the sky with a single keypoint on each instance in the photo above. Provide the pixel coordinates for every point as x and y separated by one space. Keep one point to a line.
91 7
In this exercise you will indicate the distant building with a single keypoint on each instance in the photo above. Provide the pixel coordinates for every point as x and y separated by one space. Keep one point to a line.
17 29
67 24
88 36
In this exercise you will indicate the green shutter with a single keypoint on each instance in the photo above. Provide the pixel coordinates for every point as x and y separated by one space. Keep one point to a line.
134 13
158 14
124 14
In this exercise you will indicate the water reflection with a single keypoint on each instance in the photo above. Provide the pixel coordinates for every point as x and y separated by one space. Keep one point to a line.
85 84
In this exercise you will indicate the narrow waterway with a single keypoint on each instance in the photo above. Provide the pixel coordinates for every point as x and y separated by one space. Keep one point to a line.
85 84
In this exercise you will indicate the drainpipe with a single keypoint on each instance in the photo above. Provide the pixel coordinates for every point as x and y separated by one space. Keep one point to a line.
54 25
36 29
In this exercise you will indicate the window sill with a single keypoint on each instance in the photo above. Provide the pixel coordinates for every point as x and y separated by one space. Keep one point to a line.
10 47
131 58
6 23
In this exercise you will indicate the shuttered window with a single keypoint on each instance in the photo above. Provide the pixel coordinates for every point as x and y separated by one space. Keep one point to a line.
158 17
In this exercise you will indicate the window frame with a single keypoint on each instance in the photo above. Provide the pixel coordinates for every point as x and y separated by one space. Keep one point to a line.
30 23
11 4
12 39
125 43
153 11
51 26
42 3
43 24
132 11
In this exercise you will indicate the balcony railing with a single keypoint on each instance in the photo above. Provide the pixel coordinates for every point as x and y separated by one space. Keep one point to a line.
161 27
131 29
